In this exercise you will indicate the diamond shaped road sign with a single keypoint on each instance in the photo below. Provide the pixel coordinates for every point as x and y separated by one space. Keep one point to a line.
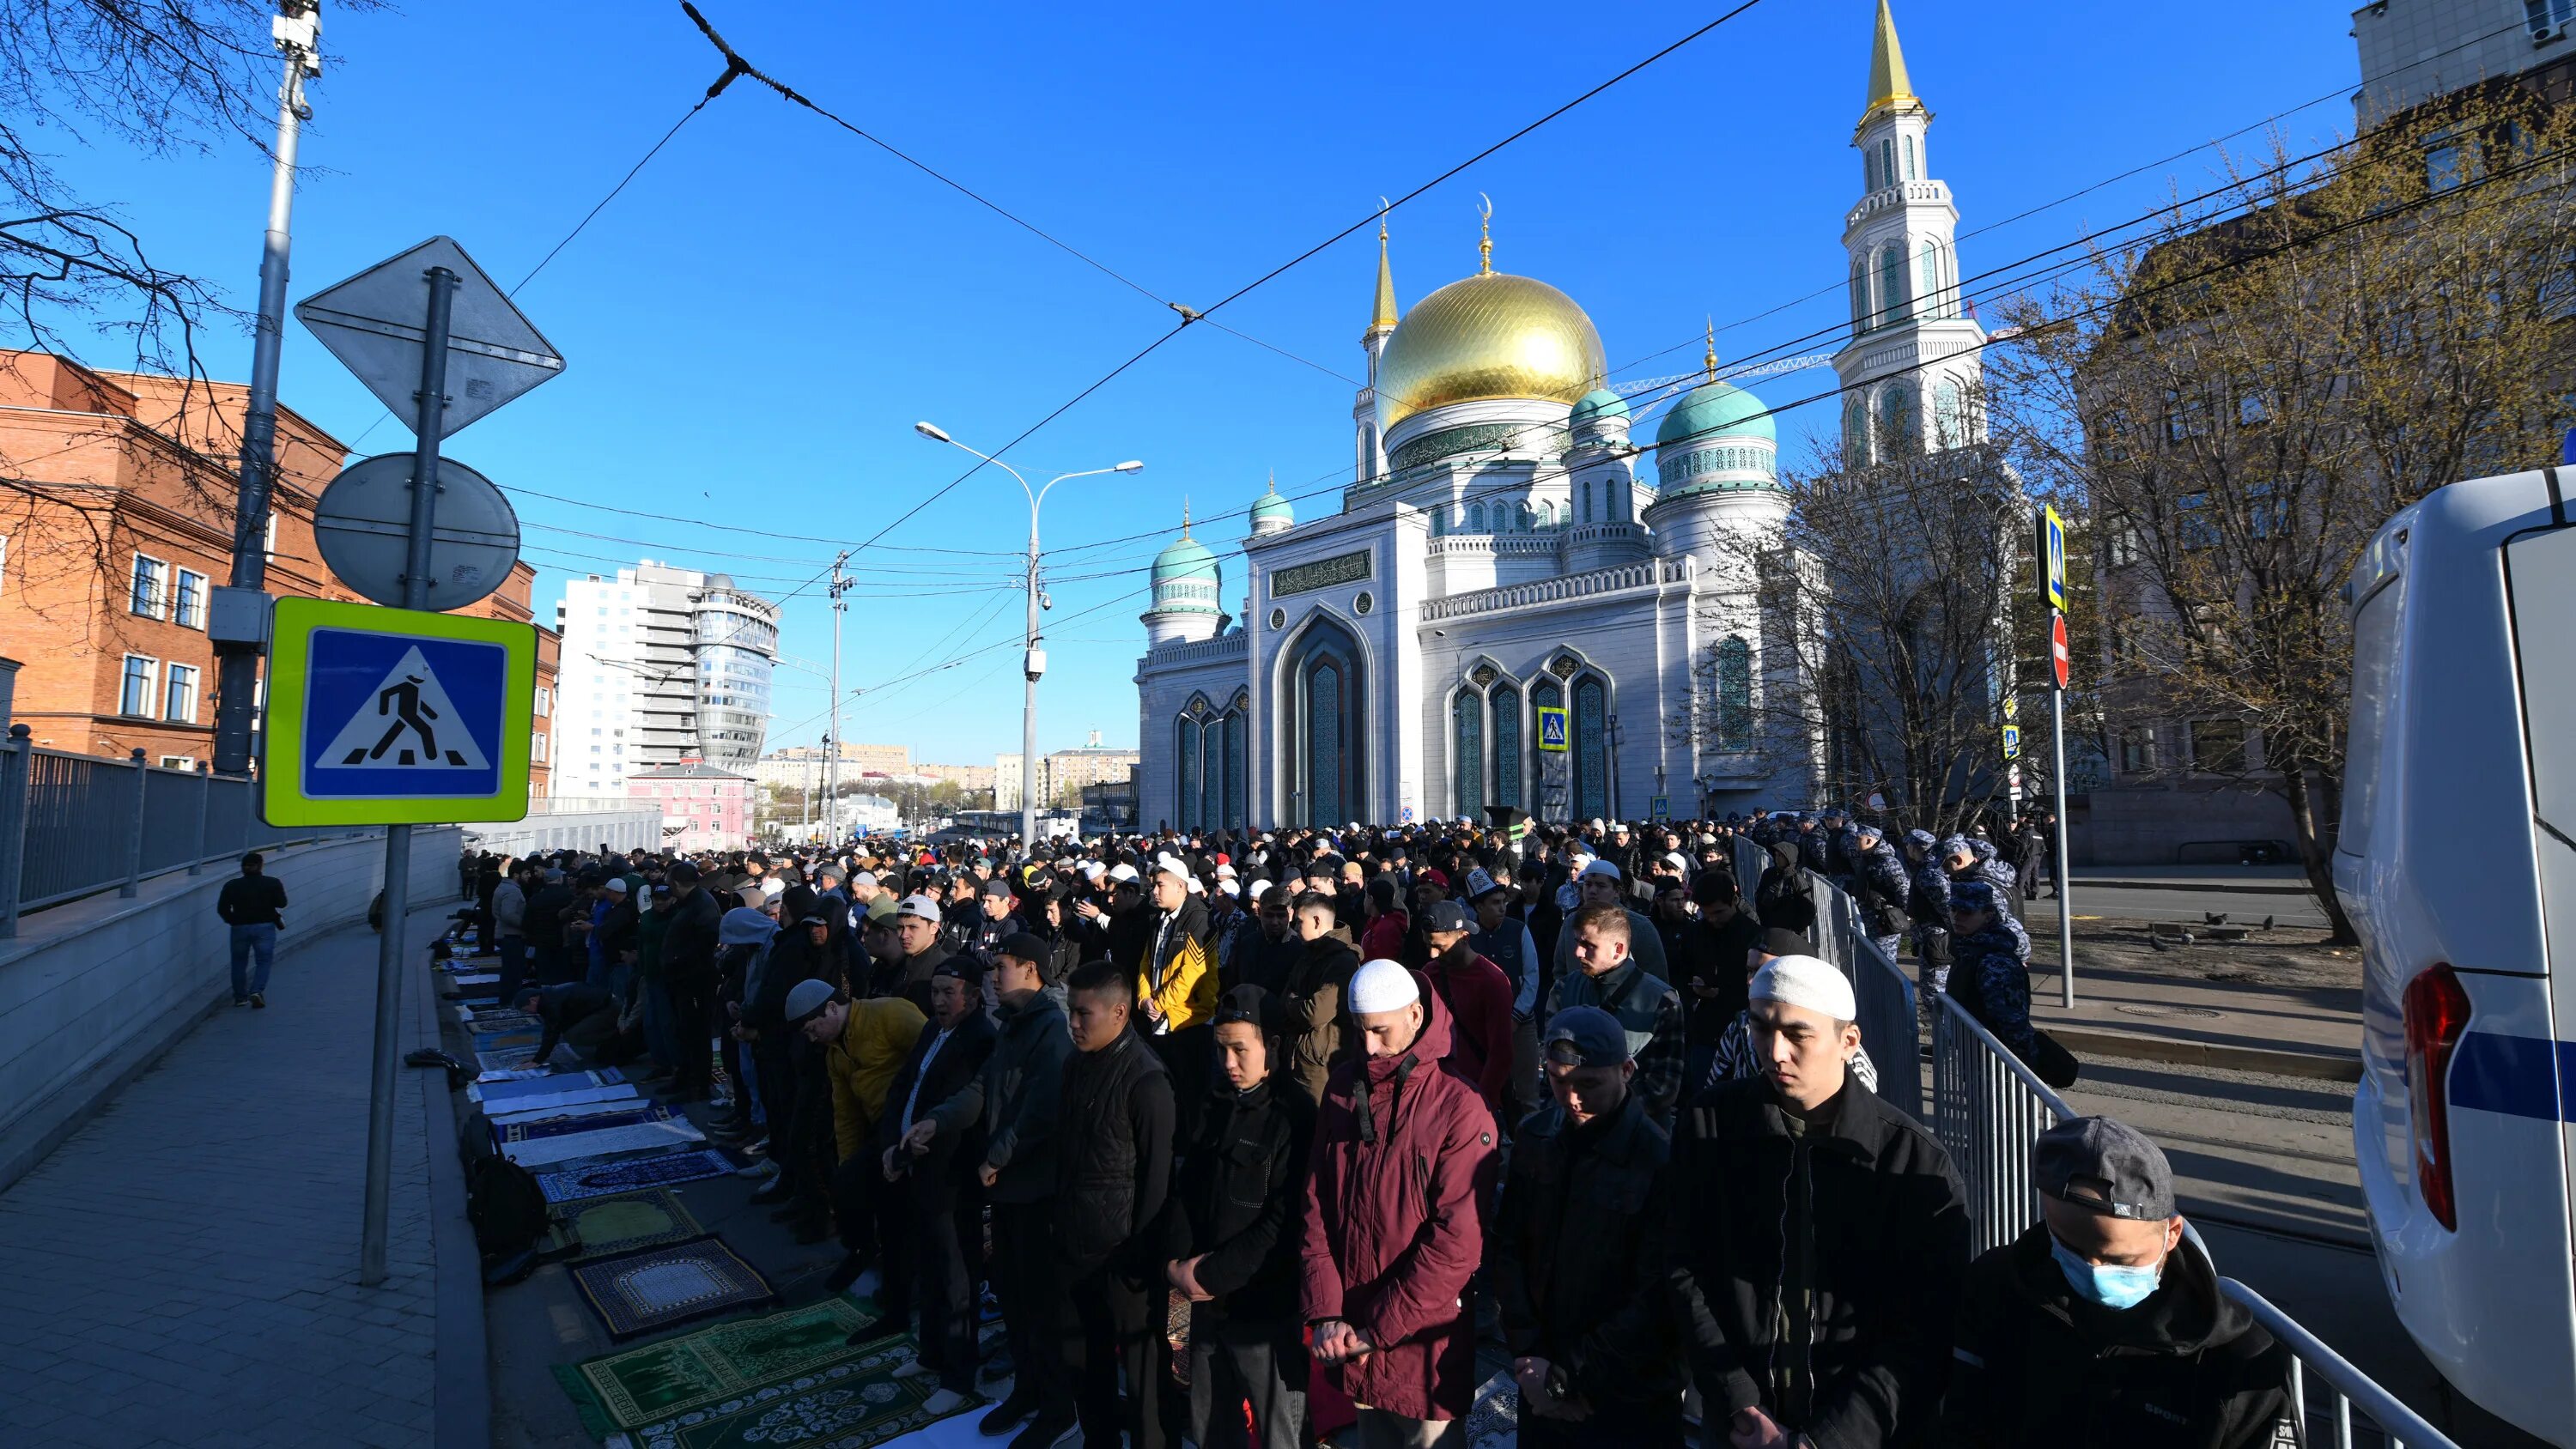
375 324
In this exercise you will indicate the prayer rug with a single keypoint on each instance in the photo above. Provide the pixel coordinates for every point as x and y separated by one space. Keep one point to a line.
851 1404
561 1081
575 1183
602 1142
549 1094
506 1038
654 1288
531 1128
603 1227
504 1117
638 1386
510 1060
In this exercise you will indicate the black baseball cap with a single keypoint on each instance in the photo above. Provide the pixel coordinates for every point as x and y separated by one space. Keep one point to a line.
1447 916
1585 1036
2106 1166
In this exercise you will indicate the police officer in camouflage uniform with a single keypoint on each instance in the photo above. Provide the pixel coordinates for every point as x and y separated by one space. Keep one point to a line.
1976 859
1990 965
1929 905
1881 888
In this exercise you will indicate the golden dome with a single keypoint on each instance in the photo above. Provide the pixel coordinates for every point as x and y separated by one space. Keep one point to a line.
1491 335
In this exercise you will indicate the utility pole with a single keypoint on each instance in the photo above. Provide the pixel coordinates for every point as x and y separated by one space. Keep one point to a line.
832 762
297 31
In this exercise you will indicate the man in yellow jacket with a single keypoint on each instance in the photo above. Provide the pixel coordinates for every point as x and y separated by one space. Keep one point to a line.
1176 985
863 1042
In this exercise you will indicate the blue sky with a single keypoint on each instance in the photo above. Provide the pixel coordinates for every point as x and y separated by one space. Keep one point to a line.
753 327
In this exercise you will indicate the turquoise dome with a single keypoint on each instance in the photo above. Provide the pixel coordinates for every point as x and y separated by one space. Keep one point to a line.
1271 507
1597 404
1185 558
1715 410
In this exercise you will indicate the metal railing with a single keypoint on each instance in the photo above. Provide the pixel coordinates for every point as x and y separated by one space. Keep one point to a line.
74 825
1988 1108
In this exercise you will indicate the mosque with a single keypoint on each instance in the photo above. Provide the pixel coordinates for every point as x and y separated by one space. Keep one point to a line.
1507 609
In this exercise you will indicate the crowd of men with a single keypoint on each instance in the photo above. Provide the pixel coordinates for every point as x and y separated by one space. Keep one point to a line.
1361 1099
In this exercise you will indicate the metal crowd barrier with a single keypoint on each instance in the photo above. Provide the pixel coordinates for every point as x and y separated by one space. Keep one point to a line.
74 825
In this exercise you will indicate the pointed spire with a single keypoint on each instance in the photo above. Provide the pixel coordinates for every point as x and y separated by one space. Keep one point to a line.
1185 515
1384 315
1889 88
1709 361
1485 246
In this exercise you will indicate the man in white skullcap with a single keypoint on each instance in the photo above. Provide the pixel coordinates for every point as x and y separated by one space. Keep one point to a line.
1821 1280
1403 1153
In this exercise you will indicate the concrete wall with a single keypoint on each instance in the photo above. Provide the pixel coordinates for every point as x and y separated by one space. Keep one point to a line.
2172 823
636 829
92 992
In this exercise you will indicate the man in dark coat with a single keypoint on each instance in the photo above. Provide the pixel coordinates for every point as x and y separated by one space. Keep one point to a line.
1582 1251
1113 1171
1310 1000
1019 1095
920 947
1230 1236
1402 1160
689 976
929 1147
1821 1274
1713 967
2102 1324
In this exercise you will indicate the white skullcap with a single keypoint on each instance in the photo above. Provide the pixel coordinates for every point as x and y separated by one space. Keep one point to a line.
1805 981
1601 867
1223 888
1122 871
1259 889
1382 986
1171 865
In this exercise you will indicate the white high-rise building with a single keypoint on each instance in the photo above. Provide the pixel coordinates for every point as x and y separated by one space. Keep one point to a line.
659 665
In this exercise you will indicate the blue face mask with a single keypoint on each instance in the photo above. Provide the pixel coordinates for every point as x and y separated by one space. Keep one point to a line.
2111 1285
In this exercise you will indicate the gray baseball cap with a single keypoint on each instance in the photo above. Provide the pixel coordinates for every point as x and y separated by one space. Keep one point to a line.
1585 1036
2106 1166
806 998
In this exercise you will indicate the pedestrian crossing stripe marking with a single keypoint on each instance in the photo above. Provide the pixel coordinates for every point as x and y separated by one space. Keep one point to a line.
408 722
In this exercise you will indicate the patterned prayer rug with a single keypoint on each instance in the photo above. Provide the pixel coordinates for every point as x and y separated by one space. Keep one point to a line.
638 1386
576 1119
501 1114
851 1404
654 1288
600 1181
603 1142
603 1227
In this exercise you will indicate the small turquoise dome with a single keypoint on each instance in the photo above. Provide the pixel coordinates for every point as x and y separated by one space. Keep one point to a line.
1186 577
1597 404
1273 509
1715 410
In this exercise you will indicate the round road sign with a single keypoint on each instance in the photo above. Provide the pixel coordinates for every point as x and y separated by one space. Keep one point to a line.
2058 658
363 526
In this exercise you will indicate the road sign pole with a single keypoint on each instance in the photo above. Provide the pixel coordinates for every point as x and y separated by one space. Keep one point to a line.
389 946
2065 895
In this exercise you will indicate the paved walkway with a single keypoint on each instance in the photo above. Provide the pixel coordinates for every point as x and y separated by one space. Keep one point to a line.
183 1271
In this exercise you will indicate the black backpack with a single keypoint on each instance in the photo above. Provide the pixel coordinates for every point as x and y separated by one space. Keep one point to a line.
502 1200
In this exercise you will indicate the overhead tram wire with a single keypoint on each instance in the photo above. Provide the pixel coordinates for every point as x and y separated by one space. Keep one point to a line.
1188 315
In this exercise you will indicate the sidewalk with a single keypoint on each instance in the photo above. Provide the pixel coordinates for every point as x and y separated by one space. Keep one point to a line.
183 1271
2299 1031
2227 879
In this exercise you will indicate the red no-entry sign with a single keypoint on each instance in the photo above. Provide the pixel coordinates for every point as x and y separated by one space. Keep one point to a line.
2058 658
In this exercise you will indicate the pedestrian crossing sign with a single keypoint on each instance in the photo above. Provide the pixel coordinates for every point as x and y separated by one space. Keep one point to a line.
1551 729
395 716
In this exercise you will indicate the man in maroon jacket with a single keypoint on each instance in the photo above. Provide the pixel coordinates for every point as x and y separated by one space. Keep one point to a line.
1479 1000
1403 1154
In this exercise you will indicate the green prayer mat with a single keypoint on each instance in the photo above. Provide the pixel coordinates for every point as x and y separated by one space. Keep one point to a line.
785 1378
595 1227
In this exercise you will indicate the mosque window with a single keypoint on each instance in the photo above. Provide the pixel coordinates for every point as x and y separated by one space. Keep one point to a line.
1734 695
1929 284
1591 751
1860 295
1185 778
1909 158
1891 284
1507 746
1896 411
1855 431
1886 161
1587 501
1476 518
1949 413
1467 720
1547 794
1522 518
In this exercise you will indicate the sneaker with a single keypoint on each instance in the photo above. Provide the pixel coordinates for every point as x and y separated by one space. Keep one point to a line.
914 1370
259 1001
1046 1433
1007 1415
241 1001
757 1170
946 1401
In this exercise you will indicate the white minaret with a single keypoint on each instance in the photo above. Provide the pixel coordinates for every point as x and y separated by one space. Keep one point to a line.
1371 459
1911 370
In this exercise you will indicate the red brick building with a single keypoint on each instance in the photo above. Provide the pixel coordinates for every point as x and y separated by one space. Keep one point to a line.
117 494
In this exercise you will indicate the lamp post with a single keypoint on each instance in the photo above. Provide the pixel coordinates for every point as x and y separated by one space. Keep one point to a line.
1034 662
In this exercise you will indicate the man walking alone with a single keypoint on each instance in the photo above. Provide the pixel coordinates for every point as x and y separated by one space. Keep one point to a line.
250 903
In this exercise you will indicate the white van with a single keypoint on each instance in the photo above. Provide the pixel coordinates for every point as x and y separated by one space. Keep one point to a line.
2457 863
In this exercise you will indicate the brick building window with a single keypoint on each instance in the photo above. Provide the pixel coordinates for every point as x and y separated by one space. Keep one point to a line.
179 694
136 696
150 594
192 599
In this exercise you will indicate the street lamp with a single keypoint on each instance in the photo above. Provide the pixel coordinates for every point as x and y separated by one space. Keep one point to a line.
1034 662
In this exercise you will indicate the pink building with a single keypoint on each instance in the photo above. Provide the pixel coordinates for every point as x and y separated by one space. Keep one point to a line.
703 808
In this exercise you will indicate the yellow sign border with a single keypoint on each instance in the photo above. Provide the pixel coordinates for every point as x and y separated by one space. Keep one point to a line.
2052 563
282 800
1544 711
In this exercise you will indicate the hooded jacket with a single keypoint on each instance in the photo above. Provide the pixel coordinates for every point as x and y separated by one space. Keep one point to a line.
1786 897
1865 1211
880 1033
1403 1156
1310 1007
1478 997
2186 1369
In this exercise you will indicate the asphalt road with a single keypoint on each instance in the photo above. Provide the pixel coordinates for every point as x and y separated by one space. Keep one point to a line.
2287 907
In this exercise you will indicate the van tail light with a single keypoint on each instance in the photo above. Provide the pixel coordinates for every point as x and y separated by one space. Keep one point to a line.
2437 1011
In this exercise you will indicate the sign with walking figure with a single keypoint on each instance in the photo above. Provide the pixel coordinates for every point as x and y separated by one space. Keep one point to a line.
395 716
